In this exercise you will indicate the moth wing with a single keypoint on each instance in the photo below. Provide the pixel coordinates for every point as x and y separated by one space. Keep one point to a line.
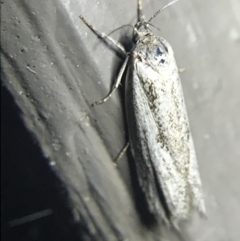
170 190
142 132
193 194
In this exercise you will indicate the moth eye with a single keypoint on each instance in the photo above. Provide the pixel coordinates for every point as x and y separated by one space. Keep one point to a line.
162 61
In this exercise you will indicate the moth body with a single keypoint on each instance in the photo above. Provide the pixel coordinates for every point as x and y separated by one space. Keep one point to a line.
159 131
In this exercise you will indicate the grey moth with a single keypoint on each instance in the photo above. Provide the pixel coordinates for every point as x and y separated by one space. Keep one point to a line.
159 133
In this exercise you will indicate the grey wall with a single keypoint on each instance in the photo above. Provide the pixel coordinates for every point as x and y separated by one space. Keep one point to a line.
55 68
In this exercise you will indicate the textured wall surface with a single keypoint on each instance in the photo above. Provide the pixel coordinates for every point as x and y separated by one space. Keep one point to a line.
55 68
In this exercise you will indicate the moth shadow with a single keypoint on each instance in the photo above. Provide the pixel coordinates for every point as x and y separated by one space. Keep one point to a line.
147 218
126 41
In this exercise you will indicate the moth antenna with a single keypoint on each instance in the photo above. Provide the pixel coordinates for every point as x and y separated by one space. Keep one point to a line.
141 17
154 26
126 25
160 10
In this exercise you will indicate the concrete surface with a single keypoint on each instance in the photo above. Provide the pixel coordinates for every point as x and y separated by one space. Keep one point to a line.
55 68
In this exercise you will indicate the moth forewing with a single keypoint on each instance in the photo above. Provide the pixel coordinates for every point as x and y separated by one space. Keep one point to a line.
142 130
159 132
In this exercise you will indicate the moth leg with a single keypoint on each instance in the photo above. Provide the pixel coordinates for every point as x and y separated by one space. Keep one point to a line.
104 36
115 86
141 17
122 152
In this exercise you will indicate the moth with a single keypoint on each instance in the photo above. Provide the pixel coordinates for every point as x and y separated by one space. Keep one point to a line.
159 133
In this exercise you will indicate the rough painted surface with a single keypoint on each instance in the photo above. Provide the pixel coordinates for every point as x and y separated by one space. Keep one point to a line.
55 68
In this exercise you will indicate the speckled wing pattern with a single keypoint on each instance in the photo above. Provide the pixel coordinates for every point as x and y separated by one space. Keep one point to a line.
159 132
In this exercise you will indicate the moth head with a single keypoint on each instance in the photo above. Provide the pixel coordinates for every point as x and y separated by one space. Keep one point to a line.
141 30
